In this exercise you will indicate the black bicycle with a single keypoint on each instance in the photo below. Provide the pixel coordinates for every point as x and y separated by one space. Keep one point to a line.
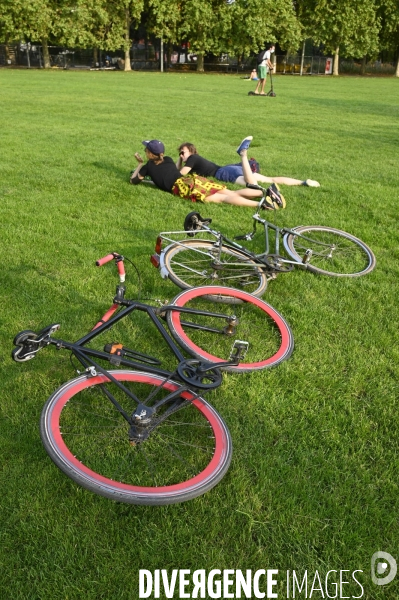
213 258
138 433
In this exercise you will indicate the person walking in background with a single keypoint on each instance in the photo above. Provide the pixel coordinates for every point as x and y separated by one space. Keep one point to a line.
264 65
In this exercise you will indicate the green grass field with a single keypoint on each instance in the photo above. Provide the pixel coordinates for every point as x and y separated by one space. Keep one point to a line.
313 483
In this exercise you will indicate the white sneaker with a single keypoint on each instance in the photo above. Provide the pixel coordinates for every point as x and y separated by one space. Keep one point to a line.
311 183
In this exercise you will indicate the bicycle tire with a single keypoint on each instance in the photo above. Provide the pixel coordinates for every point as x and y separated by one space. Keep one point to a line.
189 264
351 257
87 438
267 332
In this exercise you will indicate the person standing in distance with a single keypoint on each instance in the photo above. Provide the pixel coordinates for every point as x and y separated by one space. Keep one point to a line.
263 69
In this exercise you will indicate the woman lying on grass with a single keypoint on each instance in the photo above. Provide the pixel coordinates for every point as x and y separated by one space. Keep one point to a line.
167 177
190 160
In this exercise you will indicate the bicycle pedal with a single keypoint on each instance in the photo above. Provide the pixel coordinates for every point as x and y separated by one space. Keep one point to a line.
307 256
239 350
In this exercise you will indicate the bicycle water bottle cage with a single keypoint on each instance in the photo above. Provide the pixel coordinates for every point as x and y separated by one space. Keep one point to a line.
28 343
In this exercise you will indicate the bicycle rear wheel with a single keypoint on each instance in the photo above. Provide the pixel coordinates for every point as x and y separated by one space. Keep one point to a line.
334 252
183 453
194 263
206 337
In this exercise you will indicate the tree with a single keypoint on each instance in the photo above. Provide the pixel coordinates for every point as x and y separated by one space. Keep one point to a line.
33 21
164 19
105 24
82 23
203 23
388 11
75 23
43 20
8 13
256 22
349 24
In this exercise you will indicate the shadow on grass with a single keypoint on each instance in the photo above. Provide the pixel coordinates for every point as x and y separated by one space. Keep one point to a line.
113 169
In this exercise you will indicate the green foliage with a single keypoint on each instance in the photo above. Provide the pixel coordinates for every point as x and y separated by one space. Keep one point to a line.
357 27
205 24
388 11
80 23
351 25
165 18
253 23
35 20
84 23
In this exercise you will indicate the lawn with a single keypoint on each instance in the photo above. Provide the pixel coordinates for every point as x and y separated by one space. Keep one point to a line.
313 484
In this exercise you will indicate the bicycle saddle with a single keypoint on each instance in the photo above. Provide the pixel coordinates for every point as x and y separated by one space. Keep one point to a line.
194 222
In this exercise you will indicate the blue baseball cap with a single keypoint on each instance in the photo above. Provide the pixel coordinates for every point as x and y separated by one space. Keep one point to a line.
154 146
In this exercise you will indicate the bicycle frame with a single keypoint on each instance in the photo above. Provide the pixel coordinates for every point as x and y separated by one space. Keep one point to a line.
30 343
138 433
157 259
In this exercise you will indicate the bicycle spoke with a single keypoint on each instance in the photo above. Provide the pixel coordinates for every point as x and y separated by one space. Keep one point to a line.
333 252
149 464
198 262
177 441
174 447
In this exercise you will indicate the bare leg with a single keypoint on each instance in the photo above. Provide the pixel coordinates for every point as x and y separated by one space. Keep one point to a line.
237 201
260 83
249 176
239 197
236 198
264 179
273 193
263 87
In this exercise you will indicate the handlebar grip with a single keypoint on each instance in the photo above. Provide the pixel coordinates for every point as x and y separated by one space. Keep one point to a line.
104 260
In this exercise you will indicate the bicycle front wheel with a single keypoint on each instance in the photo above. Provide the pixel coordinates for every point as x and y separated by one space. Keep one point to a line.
334 252
183 452
193 263
209 337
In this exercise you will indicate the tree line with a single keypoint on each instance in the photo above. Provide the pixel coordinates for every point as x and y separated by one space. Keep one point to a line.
352 28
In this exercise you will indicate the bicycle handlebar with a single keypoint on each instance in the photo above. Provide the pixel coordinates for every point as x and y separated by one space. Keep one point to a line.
102 261
118 258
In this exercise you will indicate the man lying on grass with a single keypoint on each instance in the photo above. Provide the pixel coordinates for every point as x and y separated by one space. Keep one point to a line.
167 177
192 161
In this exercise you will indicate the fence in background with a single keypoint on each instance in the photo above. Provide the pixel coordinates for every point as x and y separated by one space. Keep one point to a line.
291 65
147 59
